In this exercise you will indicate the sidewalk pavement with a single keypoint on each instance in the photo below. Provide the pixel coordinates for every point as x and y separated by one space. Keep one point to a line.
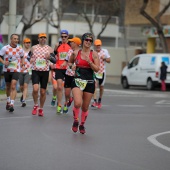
3 96
106 86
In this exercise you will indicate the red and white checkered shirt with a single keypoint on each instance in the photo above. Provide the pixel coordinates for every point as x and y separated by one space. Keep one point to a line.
105 53
27 64
13 55
40 63
69 71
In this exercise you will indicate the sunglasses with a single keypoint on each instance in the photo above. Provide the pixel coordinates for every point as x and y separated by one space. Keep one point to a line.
42 37
88 40
27 42
63 36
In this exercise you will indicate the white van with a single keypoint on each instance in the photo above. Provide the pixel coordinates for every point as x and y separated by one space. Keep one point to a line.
144 70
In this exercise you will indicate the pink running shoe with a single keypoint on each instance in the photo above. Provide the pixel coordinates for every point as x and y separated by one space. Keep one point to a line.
82 129
99 105
35 109
69 102
40 112
75 126
94 105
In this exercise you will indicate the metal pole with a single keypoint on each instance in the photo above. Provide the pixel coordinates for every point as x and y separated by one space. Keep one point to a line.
12 18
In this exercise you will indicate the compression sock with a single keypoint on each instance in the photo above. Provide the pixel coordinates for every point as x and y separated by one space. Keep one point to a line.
84 117
76 113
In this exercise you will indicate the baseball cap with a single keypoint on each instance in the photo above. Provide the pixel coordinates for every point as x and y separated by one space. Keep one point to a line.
97 42
26 40
76 40
64 32
42 35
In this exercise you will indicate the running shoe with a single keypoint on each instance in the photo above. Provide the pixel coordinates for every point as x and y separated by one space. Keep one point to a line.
21 98
75 126
82 129
23 104
7 106
34 110
59 111
40 112
11 108
94 105
99 105
53 102
69 102
65 109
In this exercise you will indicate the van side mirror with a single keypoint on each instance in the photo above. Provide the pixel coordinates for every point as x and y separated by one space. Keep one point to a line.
128 66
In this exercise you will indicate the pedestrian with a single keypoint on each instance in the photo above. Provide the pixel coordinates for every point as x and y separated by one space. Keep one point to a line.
83 85
75 43
40 56
163 73
61 51
25 76
2 80
12 56
104 57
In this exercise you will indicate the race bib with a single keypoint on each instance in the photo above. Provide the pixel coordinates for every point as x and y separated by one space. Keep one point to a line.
30 71
40 63
12 65
81 83
63 55
99 75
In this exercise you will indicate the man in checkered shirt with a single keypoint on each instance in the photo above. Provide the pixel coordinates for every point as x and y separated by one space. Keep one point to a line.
40 60
11 56
101 74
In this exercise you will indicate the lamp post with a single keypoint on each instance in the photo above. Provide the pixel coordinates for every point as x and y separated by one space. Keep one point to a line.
12 18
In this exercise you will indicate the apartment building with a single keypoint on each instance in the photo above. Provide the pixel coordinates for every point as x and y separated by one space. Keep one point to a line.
71 20
139 30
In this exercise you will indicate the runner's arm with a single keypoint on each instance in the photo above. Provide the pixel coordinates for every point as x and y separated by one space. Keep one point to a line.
95 66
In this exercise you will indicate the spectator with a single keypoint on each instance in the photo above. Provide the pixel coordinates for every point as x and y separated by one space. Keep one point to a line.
163 73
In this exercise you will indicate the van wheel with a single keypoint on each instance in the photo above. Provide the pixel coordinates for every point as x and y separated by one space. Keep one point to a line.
150 84
125 84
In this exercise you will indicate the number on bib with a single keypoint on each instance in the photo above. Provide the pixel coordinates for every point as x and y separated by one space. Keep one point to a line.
81 83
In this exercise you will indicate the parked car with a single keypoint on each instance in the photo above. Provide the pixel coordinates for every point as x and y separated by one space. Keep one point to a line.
144 70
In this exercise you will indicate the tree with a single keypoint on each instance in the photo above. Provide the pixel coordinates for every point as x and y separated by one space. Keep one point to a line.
4 6
55 17
29 20
156 22
107 8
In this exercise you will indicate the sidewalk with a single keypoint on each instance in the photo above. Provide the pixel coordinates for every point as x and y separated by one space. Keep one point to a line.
106 86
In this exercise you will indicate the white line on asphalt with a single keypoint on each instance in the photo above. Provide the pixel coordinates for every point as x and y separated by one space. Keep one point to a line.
131 105
153 140
21 117
160 102
162 105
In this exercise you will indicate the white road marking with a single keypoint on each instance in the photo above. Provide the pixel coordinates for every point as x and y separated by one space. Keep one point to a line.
153 140
160 102
131 105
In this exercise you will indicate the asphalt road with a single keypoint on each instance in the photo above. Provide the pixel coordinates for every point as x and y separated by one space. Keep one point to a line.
130 132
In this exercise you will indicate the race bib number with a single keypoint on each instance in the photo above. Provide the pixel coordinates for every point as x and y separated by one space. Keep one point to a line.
40 63
63 55
81 83
12 65
99 75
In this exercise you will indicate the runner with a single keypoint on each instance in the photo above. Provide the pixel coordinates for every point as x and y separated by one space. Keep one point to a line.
61 50
83 85
25 76
75 45
11 56
101 74
41 54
